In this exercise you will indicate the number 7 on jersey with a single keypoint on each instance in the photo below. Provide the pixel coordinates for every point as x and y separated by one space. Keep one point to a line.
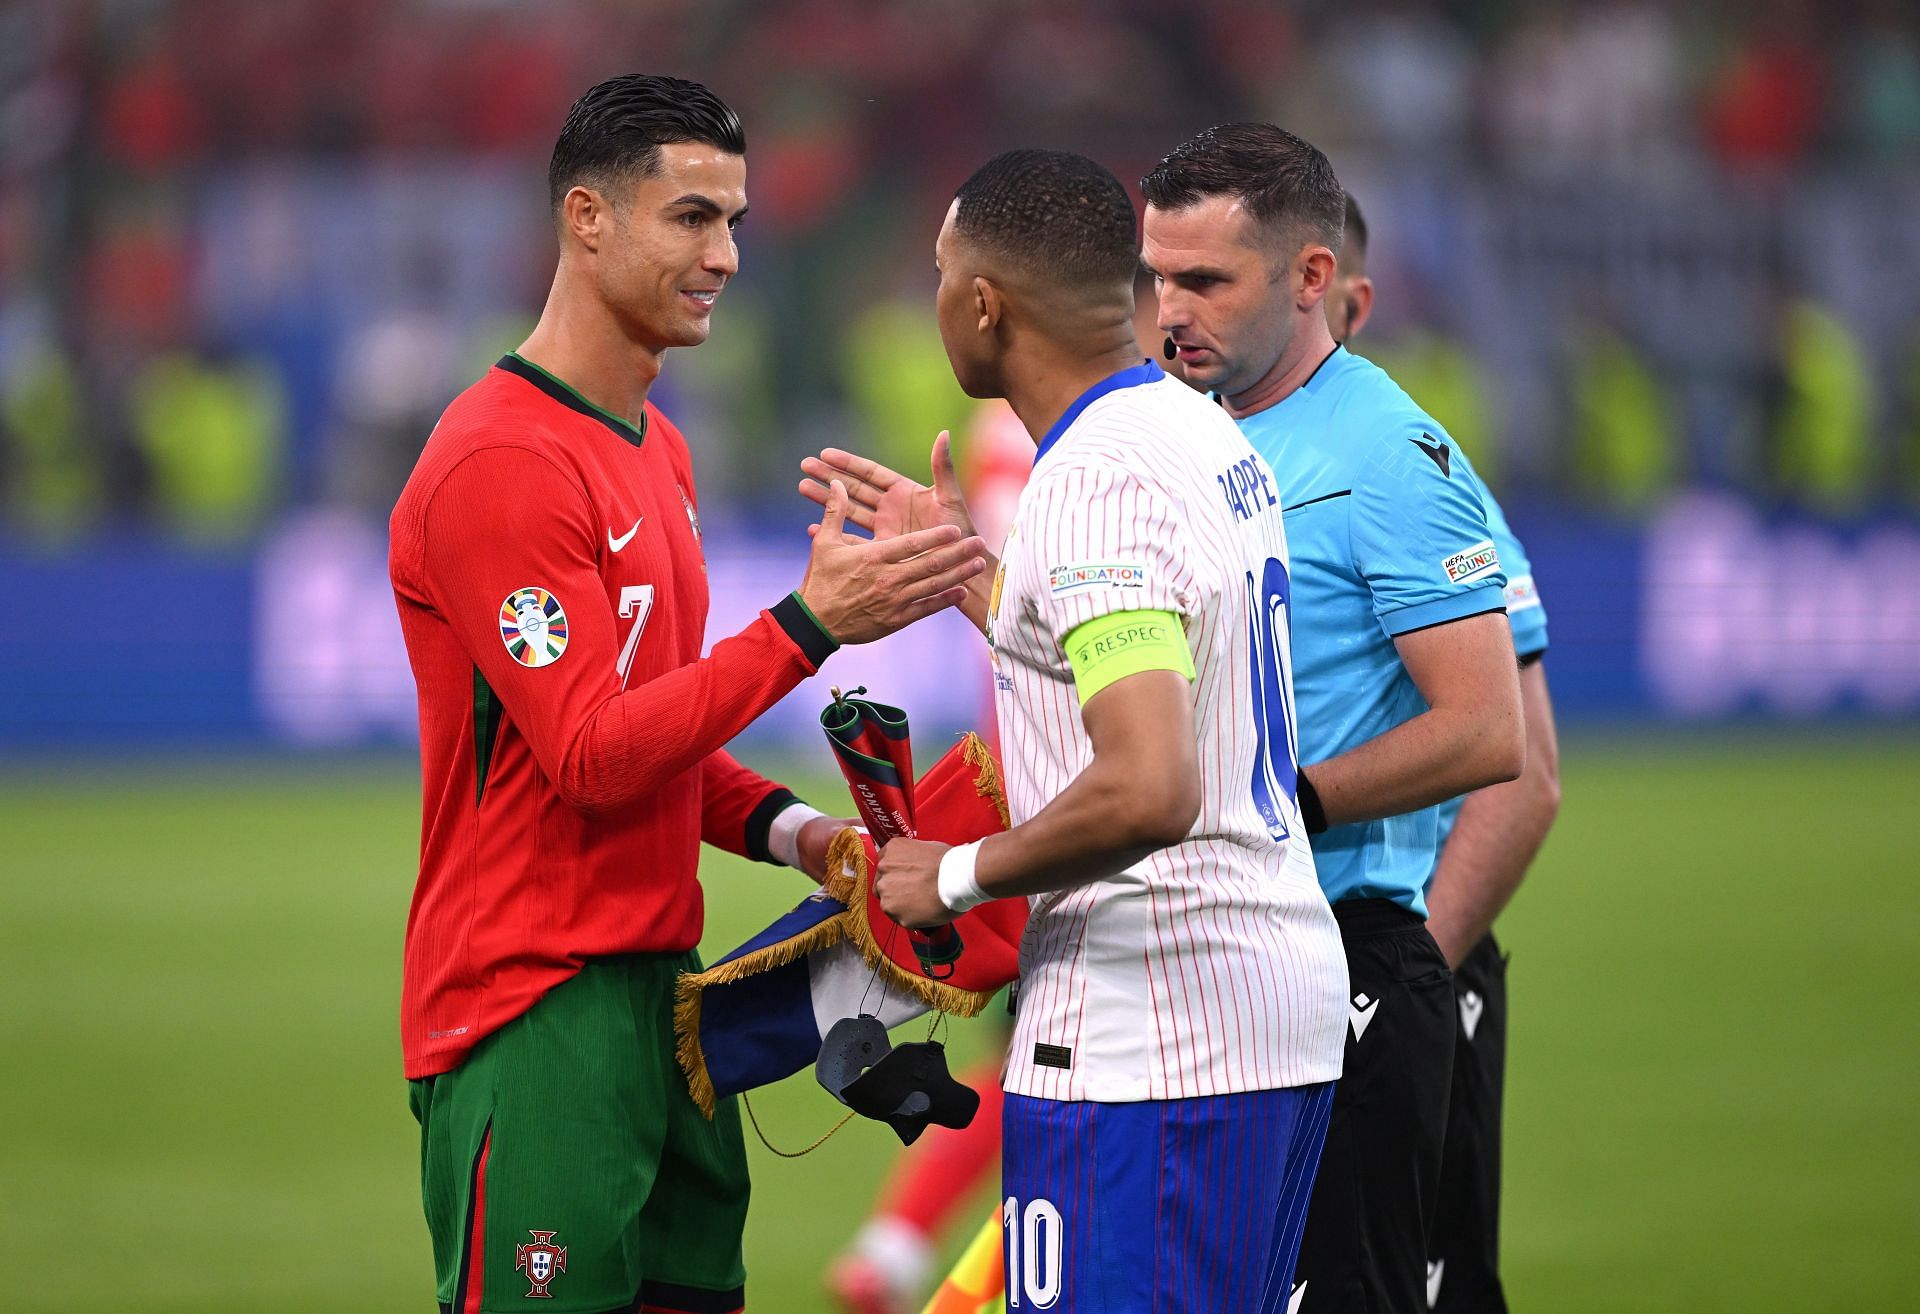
636 601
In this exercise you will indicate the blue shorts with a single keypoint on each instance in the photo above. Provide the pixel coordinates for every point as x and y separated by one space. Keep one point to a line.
1164 1206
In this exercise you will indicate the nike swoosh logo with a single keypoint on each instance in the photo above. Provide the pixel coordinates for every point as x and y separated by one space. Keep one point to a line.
1441 454
617 543
1293 1301
1360 1014
1435 1271
1471 1006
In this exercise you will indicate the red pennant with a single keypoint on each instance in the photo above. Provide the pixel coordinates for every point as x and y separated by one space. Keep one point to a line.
959 800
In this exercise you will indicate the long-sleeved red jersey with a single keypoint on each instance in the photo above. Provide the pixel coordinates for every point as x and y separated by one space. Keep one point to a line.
546 561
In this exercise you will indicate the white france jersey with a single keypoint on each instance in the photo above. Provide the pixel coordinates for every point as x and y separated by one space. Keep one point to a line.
1214 966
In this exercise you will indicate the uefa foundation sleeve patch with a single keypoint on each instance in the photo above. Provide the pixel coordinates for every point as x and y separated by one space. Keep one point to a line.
533 625
1476 562
1078 578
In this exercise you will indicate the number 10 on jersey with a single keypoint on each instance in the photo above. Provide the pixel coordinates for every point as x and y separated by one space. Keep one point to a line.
1033 1252
1270 660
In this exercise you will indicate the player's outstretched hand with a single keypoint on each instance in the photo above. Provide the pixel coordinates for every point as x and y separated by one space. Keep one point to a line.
907 882
884 502
864 589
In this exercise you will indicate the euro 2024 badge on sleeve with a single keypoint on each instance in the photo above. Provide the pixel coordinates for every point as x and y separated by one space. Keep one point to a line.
533 625
541 1262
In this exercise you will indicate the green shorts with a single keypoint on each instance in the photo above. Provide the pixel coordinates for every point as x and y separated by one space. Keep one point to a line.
563 1161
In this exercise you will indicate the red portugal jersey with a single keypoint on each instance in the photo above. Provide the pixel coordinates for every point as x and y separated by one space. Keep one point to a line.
546 562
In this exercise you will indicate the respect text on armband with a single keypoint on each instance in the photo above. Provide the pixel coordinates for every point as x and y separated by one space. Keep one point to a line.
1119 641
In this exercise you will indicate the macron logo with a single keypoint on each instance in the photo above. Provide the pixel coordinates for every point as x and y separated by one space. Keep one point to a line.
1360 1015
1441 456
1471 1006
1436 1269
1293 1301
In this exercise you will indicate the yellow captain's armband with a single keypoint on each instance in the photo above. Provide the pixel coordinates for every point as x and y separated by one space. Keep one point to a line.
1123 643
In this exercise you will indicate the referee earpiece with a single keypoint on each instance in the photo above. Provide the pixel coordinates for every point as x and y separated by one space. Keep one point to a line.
1169 350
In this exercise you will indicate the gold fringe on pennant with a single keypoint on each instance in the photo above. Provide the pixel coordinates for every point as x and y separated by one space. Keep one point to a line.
936 995
848 879
846 865
687 990
686 1042
975 753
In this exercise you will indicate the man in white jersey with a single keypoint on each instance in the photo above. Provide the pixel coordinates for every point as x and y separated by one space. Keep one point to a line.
1182 989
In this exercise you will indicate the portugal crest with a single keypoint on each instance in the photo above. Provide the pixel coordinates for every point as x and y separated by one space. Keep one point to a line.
693 517
540 1261
533 626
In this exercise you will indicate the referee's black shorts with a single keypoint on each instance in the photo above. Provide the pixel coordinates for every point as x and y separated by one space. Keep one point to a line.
1463 1249
1365 1246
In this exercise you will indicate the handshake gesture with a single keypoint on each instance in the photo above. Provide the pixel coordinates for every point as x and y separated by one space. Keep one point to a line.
924 555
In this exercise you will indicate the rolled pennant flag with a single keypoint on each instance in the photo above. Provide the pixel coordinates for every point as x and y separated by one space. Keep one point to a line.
761 1013
871 742
876 754
875 751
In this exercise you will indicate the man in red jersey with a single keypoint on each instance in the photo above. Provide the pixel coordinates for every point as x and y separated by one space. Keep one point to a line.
547 565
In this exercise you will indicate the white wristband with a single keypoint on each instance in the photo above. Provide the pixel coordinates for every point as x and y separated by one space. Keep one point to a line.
783 832
959 889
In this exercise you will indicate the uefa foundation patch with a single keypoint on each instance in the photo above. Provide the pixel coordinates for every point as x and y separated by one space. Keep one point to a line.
533 625
1476 562
1086 575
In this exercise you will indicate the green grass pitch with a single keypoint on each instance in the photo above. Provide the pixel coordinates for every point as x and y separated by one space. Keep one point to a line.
1711 1104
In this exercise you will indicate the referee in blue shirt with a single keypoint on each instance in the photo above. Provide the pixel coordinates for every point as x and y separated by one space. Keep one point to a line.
1403 662
1487 841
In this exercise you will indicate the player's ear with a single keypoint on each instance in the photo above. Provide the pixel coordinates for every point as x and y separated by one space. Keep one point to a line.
989 304
1313 275
1359 304
583 216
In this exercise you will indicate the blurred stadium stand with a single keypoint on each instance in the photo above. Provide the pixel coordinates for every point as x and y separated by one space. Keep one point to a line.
1652 263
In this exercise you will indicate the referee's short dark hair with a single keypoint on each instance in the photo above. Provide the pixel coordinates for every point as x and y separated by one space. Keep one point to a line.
614 133
1286 183
1356 225
1053 213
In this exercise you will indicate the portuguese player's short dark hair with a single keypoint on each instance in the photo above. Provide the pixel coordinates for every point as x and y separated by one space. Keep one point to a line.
616 130
1054 212
1356 225
1286 183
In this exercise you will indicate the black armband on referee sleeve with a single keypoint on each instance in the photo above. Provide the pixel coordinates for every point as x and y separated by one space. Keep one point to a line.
1311 812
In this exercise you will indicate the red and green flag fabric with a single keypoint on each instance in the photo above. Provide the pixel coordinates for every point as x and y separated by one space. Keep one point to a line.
760 1013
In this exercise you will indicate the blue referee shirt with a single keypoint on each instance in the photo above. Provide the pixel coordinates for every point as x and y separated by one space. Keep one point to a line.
1526 613
1388 533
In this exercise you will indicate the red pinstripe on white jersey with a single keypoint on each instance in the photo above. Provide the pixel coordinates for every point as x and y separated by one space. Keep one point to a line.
1214 966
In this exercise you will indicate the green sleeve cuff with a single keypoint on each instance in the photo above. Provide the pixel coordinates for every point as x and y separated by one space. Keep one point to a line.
793 615
1122 643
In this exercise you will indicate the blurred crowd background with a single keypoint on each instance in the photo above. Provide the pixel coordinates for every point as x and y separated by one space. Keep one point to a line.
1656 265
1632 253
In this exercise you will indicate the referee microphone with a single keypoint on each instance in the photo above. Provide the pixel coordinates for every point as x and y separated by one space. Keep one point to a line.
1169 350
